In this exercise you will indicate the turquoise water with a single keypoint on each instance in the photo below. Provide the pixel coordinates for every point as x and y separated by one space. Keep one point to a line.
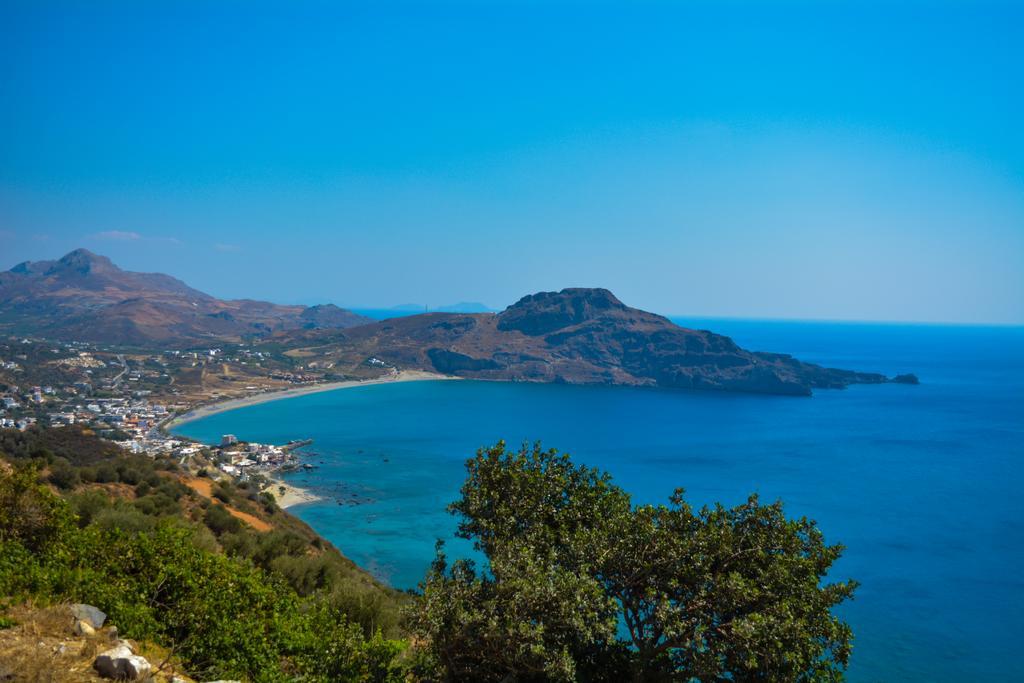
922 484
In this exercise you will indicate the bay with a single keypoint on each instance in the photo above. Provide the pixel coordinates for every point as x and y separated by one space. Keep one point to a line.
921 483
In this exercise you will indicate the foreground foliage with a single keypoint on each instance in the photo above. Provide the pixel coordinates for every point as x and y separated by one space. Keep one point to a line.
582 585
112 489
579 583
223 616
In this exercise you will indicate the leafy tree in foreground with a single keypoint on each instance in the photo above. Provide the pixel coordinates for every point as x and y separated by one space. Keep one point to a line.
581 585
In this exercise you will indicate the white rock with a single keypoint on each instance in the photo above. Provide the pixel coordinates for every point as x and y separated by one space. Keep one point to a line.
120 663
82 628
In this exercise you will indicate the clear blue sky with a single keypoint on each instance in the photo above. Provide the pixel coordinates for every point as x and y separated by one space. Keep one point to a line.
771 159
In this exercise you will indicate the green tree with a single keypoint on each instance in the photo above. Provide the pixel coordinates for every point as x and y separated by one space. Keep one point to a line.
29 513
719 594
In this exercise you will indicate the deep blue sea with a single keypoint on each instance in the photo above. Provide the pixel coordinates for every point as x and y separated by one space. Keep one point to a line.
923 484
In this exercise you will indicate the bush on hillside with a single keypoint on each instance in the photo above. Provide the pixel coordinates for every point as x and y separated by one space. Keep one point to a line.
224 617
221 521
717 594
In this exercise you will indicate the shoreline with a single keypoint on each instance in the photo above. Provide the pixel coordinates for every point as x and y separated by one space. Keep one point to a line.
226 405
287 495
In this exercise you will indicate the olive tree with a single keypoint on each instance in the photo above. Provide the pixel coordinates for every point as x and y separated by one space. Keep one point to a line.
579 584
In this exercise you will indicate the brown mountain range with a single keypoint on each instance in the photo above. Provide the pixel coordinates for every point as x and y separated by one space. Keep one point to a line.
85 297
580 336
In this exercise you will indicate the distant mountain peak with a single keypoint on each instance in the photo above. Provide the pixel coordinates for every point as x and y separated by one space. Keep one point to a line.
23 268
84 296
577 297
82 255
545 312
84 261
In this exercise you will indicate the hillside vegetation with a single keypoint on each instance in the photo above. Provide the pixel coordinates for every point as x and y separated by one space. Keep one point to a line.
579 585
82 521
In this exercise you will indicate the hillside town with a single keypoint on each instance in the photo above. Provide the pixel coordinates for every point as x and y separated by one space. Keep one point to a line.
128 400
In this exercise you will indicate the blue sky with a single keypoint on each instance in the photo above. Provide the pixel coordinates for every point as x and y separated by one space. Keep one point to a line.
773 159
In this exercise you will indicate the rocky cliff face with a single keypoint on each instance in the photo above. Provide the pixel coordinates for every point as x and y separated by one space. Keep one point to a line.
574 336
84 296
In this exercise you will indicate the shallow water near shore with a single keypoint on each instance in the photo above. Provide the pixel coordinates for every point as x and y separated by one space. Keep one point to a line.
921 483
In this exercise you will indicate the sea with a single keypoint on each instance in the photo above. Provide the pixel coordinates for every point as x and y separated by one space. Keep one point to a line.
923 485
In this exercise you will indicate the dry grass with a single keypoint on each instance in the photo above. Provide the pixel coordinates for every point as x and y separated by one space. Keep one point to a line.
43 648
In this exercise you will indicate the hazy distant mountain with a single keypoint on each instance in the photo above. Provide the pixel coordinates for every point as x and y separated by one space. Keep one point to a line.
461 307
574 336
464 307
86 297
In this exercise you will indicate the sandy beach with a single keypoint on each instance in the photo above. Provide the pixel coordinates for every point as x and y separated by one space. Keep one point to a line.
287 495
265 397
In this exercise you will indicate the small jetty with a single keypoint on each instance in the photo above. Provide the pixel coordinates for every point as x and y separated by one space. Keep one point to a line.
296 443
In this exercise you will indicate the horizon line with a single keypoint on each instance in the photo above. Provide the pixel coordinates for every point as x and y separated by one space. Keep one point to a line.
738 318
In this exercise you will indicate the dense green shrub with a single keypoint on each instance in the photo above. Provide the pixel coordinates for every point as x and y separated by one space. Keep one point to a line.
239 544
582 585
87 504
29 514
276 543
222 492
221 521
223 617
106 474
64 476
158 505
124 517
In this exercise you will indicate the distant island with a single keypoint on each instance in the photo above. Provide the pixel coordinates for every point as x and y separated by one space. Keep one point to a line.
577 336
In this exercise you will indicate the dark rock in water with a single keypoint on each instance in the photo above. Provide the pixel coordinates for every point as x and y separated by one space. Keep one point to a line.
909 378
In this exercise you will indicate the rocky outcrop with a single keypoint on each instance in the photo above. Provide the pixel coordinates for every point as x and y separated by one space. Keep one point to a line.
41 644
579 336
538 314
122 664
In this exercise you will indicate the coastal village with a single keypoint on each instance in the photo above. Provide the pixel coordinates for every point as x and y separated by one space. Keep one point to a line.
130 400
